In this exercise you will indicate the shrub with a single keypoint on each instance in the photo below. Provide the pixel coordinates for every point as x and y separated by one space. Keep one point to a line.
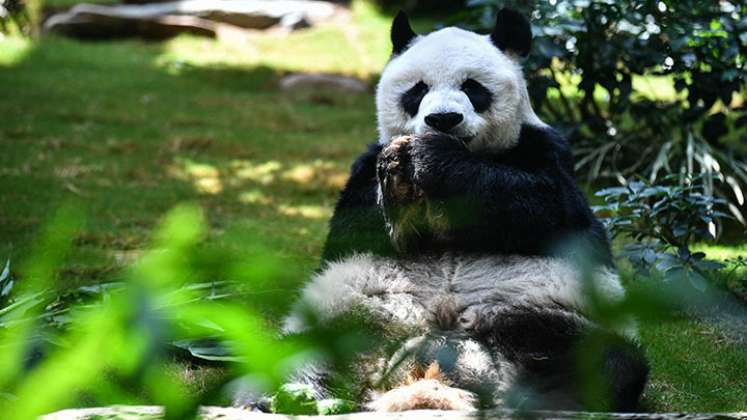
664 221
595 71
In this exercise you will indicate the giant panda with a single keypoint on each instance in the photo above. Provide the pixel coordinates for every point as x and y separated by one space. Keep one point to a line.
446 239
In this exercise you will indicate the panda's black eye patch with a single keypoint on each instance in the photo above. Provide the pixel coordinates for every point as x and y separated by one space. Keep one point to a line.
478 95
411 99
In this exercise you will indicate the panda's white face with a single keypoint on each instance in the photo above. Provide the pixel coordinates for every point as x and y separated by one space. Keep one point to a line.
457 82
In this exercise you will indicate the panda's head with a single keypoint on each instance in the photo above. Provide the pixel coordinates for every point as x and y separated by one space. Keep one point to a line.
457 82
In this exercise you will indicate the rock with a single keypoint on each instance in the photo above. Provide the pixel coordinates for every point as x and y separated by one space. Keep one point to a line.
262 14
117 411
323 82
89 21
159 20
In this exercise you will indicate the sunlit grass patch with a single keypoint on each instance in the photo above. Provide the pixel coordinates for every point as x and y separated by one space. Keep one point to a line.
658 88
723 252
350 45
321 50
307 211
13 49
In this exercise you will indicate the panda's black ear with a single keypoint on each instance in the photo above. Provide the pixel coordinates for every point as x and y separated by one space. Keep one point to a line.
402 33
512 33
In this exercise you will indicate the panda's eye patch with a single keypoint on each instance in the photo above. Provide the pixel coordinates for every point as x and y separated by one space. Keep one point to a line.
478 95
411 99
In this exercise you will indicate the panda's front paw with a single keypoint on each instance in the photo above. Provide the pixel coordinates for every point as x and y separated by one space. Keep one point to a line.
395 172
402 201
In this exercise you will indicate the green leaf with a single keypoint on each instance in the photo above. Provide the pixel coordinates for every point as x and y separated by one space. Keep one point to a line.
683 253
333 406
294 398
676 273
6 271
697 281
649 255
612 192
708 265
207 349
6 282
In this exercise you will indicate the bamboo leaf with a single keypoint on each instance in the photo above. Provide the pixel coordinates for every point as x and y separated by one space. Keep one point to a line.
736 212
736 189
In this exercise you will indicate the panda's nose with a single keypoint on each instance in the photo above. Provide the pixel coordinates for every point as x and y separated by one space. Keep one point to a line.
444 121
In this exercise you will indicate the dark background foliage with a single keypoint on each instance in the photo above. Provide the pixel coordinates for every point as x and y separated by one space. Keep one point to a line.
603 48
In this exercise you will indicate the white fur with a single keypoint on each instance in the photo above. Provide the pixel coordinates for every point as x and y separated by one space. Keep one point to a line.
444 60
407 292
410 295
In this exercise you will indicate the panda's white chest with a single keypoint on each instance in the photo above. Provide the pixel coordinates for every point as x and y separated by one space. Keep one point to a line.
420 293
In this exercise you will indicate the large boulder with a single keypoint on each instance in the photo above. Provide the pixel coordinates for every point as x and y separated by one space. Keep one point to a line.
89 21
200 17
298 82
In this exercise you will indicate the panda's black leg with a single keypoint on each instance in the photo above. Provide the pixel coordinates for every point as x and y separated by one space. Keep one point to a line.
627 372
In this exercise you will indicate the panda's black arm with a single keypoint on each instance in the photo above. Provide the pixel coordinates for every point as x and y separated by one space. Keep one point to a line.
358 224
521 201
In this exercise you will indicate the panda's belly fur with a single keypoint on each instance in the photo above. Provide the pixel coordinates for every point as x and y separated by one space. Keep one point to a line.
451 291
436 305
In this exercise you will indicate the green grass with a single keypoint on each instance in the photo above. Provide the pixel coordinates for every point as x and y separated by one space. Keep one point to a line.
723 252
130 129
133 128
694 367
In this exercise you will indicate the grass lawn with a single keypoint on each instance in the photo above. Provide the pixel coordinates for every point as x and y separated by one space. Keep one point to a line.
133 128
130 129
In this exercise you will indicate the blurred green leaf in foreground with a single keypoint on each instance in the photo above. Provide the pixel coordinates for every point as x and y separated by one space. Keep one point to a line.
109 344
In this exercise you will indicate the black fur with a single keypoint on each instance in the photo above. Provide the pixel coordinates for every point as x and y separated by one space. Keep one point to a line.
478 95
512 33
402 33
524 201
358 223
411 99
565 363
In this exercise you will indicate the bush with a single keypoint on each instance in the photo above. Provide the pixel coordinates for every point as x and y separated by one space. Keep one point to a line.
664 221
597 65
